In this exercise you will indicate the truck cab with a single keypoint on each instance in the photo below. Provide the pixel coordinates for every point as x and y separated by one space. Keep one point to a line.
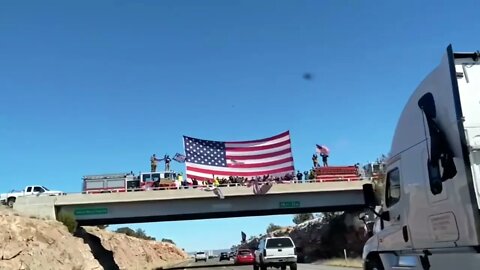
158 180
373 170
429 216
276 252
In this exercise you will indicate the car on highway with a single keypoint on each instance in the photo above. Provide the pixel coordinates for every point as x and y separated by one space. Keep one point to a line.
244 256
231 254
224 256
276 252
200 256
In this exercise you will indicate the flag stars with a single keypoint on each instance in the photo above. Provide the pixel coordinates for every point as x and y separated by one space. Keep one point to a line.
205 152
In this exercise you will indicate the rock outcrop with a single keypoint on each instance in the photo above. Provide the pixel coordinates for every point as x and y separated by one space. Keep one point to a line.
133 253
31 243
317 239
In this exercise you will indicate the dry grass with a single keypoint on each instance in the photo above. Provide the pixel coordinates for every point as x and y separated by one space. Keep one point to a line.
356 263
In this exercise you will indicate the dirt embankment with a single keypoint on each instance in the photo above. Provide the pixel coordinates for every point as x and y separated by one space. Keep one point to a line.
31 243
133 253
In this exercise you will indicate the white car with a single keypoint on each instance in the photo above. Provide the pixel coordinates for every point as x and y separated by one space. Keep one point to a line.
200 256
276 252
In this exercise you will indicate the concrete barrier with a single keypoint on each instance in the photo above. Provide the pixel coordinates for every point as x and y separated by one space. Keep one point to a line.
37 206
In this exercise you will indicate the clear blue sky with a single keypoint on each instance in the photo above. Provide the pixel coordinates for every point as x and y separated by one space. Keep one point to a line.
98 86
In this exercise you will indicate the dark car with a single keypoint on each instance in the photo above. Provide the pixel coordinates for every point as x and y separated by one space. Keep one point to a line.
224 256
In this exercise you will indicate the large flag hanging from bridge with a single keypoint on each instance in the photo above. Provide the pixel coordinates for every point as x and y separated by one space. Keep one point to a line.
269 156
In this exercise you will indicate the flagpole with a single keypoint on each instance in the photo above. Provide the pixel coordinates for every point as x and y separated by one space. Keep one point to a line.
185 152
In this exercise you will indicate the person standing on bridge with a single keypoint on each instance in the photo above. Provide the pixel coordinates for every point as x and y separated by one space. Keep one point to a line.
324 153
153 163
299 176
167 160
315 160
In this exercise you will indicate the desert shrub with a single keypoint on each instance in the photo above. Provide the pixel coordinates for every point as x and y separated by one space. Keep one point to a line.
68 219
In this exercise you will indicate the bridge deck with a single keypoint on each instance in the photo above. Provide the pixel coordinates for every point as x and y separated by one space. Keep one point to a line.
191 193
188 204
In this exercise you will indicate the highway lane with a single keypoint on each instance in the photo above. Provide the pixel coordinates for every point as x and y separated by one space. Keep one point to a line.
225 265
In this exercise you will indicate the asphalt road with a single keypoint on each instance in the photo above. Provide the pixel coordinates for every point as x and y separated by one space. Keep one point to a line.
215 264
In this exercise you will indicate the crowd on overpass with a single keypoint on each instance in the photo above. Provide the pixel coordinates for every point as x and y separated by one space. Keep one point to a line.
293 177
355 173
247 181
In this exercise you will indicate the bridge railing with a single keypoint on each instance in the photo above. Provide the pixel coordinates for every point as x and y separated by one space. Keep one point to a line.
227 185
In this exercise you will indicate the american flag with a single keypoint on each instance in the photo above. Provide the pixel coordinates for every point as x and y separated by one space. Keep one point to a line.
272 156
179 157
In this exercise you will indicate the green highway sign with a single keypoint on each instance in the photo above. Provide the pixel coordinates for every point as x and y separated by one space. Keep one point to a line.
290 204
90 211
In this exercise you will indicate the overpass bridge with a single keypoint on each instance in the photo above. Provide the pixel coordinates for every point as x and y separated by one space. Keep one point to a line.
190 204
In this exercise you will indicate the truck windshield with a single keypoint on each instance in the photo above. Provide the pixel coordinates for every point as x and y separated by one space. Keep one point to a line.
155 177
46 189
279 243
171 176
147 178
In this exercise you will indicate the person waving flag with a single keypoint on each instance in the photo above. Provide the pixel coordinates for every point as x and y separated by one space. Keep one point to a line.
324 153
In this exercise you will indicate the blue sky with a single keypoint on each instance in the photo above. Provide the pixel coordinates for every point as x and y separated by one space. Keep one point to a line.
98 86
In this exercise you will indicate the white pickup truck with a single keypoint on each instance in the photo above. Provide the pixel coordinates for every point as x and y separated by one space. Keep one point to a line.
35 190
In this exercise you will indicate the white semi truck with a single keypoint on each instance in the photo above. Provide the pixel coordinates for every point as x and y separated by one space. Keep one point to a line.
429 216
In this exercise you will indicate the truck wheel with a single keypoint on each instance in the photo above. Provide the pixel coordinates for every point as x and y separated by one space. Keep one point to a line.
284 267
373 263
10 202
293 266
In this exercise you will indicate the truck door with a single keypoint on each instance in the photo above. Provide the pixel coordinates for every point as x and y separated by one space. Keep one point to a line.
146 180
393 235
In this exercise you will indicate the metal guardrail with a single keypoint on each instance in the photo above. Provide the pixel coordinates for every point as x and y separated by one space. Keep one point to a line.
211 186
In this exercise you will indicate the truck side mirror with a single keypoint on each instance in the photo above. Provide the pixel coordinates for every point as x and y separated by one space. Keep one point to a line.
369 195
440 153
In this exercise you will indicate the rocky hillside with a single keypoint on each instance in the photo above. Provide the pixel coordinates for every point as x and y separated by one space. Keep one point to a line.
133 253
30 243
320 240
